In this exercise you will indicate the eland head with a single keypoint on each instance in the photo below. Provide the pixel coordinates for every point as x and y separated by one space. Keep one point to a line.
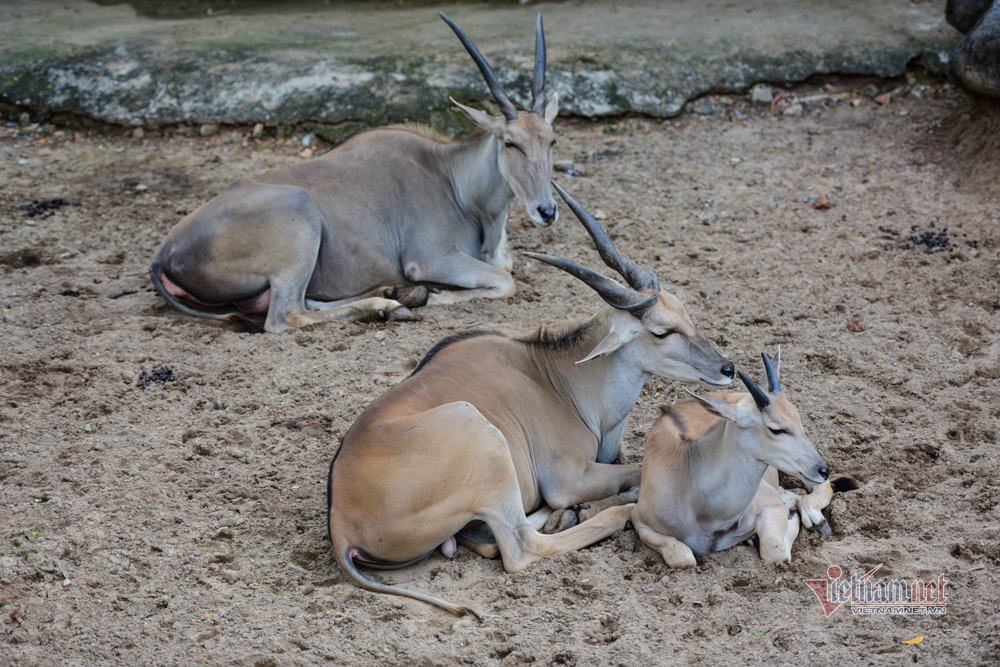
526 137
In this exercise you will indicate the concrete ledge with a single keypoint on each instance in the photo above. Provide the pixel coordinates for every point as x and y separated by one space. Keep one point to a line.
372 65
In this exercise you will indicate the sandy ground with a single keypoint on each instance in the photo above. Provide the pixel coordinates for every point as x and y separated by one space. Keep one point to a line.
188 517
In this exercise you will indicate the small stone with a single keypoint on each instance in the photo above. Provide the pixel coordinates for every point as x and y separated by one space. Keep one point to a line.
871 90
24 119
735 630
141 187
209 129
822 202
793 110
563 165
702 107
235 452
600 215
138 133
308 152
856 102
884 98
855 325
258 130
761 94
230 576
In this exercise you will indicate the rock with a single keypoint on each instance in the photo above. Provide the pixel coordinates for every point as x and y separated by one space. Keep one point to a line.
24 119
306 152
884 98
258 130
761 94
600 215
963 14
871 90
822 202
977 57
702 107
308 139
563 165
855 325
230 576
138 133
141 187
209 129
793 110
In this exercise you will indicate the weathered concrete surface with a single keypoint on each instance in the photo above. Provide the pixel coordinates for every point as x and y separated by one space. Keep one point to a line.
376 64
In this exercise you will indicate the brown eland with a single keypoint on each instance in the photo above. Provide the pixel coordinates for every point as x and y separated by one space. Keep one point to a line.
494 438
710 474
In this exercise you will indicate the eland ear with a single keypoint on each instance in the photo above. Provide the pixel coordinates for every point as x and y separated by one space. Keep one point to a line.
610 343
552 108
716 406
492 124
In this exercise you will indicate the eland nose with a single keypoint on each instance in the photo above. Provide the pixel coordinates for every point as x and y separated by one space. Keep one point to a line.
728 370
548 214
824 472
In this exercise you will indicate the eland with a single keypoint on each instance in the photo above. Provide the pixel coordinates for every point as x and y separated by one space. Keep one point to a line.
710 474
363 231
493 438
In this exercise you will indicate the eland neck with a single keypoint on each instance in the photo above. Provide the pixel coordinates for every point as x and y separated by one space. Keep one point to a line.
603 391
723 459
479 186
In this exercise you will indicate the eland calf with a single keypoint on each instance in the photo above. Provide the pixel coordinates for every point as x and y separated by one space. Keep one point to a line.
710 474
388 211
490 429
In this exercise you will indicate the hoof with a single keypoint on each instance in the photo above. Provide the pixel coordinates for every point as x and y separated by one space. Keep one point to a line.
404 314
411 296
561 520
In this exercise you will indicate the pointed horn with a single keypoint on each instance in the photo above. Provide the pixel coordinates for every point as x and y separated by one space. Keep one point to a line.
773 385
759 397
538 81
614 294
506 106
633 274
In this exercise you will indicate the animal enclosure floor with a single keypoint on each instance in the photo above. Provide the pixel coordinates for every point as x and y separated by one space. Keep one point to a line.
187 507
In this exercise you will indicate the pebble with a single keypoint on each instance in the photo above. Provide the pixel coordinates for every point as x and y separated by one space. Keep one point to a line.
761 94
793 110
209 129
138 133
24 119
230 576
600 215
702 107
258 130
563 165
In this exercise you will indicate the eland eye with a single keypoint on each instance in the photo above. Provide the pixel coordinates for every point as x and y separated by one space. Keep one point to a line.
553 142
509 144
664 334
777 431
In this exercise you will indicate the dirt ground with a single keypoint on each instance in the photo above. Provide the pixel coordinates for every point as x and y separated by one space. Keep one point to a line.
152 521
